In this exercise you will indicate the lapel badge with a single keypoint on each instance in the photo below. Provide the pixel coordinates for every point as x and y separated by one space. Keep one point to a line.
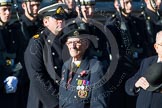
36 36
83 73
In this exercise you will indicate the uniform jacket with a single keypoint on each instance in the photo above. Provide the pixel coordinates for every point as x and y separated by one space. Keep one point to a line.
132 49
146 99
43 87
152 26
8 63
136 35
70 98
8 48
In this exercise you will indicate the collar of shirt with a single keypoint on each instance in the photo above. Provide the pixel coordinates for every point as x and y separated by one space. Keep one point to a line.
159 60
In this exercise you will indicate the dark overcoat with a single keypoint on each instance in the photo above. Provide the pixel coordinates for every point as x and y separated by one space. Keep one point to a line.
8 48
146 99
97 95
43 88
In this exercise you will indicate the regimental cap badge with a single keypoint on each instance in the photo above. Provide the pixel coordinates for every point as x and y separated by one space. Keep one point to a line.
76 33
60 10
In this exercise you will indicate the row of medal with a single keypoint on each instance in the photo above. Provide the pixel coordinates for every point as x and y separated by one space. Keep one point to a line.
83 88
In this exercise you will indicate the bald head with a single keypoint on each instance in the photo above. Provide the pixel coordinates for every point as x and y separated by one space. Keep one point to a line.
159 37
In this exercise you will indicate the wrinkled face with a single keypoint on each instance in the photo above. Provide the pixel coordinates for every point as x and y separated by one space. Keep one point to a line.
158 44
126 6
77 47
5 13
54 25
31 8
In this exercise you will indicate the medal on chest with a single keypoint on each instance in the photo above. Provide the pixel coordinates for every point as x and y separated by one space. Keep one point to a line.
83 88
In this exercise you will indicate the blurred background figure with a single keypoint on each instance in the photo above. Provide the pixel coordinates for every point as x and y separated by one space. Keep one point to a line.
128 32
29 24
71 12
153 22
9 65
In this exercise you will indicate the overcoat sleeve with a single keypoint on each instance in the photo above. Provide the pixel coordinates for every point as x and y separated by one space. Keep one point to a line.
130 83
42 82
100 96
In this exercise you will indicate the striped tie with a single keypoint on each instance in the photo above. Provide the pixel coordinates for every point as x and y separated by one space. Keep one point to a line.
71 73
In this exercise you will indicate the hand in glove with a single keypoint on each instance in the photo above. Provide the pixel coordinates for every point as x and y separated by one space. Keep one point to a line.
11 84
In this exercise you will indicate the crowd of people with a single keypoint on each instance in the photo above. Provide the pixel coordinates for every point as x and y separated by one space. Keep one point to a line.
60 56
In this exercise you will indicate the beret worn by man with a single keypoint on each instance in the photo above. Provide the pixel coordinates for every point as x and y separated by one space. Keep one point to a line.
43 59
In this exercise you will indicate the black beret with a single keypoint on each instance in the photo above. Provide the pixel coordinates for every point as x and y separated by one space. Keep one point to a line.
154 76
82 34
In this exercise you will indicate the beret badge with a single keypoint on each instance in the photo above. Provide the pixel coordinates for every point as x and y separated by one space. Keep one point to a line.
76 33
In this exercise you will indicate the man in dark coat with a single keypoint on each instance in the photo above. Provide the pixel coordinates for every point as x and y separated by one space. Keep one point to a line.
43 59
137 85
153 22
71 12
128 32
9 66
29 23
81 84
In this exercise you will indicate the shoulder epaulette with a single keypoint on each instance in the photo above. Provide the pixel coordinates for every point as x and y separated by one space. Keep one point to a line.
36 36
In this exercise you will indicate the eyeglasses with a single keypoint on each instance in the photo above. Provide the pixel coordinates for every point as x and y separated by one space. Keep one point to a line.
159 44
79 42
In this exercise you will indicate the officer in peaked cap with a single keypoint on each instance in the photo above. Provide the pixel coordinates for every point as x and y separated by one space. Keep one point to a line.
57 11
9 72
79 73
43 59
